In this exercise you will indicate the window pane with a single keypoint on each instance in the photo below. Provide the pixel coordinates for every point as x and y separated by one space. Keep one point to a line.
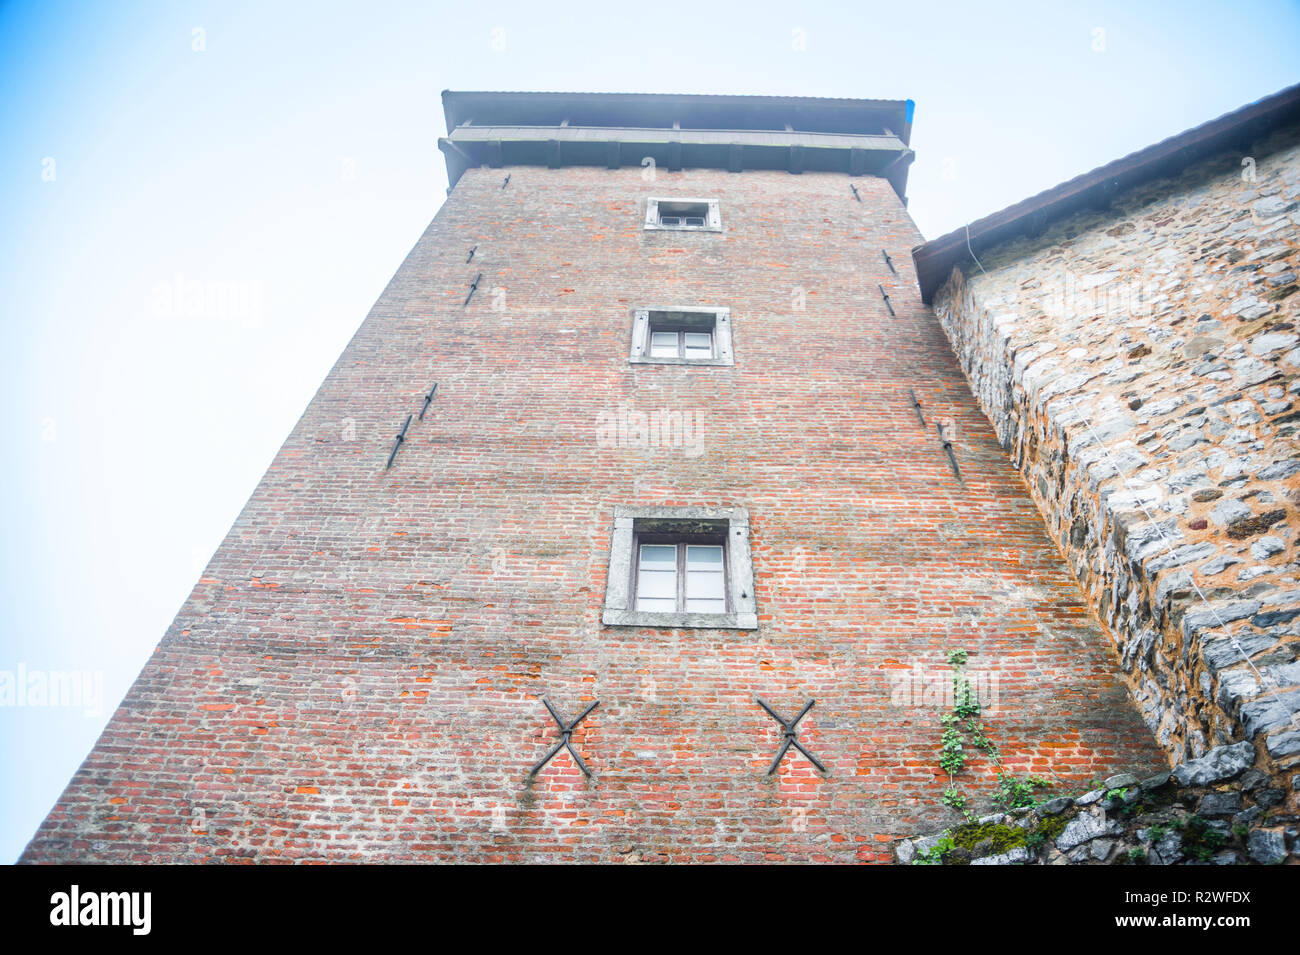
698 344
706 606
658 606
670 220
705 584
658 584
694 220
659 556
663 344
702 557
705 581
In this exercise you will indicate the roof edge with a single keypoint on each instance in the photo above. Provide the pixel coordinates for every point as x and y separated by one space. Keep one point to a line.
900 109
935 259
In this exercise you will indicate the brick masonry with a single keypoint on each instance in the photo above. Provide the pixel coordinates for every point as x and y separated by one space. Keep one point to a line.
1141 366
358 673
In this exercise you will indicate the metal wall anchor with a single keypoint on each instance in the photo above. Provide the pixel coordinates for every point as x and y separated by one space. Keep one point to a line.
401 436
885 296
473 288
788 728
428 399
472 250
566 734
506 183
889 261
917 405
947 447
855 192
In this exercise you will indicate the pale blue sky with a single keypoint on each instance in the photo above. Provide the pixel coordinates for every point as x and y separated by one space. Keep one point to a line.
293 157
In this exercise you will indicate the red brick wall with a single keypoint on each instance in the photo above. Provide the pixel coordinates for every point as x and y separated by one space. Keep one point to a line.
358 673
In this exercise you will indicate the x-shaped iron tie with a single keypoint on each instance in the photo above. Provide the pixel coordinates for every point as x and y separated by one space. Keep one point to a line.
788 727
566 734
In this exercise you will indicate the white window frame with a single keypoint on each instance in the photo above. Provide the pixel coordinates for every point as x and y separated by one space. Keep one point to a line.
693 317
680 571
653 215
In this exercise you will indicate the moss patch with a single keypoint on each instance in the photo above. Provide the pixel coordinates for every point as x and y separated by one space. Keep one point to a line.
1051 827
996 838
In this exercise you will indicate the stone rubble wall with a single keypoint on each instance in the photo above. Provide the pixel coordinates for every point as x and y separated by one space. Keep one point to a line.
1217 810
1141 366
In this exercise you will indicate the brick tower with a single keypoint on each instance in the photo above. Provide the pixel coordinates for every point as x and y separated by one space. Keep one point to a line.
672 465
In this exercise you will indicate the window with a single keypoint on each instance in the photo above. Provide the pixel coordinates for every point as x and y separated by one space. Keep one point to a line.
682 335
680 576
681 567
683 215
680 343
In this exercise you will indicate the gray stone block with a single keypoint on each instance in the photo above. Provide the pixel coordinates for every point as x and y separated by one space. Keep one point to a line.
1218 765
1220 804
1266 846
1084 828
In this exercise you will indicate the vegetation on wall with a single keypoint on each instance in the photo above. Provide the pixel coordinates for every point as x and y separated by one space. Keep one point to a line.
964 732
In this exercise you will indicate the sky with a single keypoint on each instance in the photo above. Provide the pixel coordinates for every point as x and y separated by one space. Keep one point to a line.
283 156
